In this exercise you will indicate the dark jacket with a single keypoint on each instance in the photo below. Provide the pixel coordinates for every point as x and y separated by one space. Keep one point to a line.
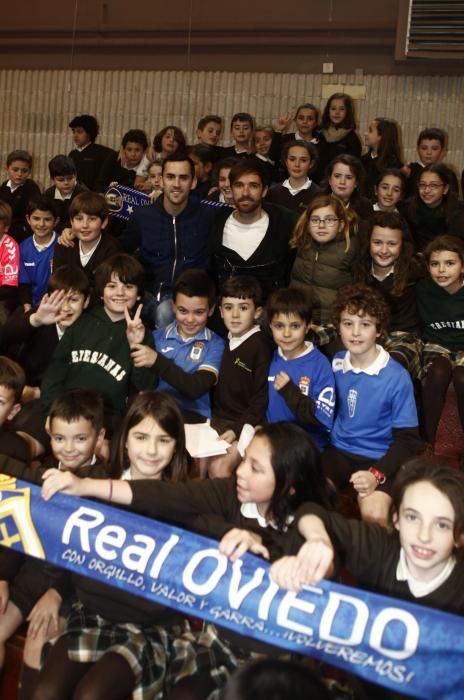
271 261
89 162
168 245
107 247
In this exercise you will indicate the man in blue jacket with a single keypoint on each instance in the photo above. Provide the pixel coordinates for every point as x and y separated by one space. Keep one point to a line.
169 236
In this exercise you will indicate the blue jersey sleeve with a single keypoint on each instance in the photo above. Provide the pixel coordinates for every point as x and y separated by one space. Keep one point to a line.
323 394
404 412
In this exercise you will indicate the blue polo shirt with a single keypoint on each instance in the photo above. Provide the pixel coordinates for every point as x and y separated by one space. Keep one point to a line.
35 266
371 403
313 375
204 351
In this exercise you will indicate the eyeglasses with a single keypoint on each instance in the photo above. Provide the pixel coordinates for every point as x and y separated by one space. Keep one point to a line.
328 221
430 185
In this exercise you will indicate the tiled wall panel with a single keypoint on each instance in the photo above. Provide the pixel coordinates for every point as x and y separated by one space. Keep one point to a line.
35 106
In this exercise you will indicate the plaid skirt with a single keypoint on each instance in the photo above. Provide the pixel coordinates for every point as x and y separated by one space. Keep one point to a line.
203 651
431 351
144 648
408 346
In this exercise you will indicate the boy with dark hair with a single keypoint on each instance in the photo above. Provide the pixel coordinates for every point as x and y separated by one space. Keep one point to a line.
9 265
30 338
203 159
88 156
65 187
12 381
36 252
123 167
242 126
301 382
375 430
18 190
88 213
431 148
94 352
241 393
187 355
209 130
75 427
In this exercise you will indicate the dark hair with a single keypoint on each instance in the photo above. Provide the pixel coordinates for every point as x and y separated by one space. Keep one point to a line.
127 269
297 469
86 122
301 236
308 105
6 213
402 271
90 203
310 149
208 118
70 278
203 152
450 482
195 283
389 144
242 117
394 172
290 300
42 203
361 299
61 165
19 154
242 287
164 410
444 173
79 403
135 136
434 134
274 679
245 166
451 243
352 162
178 136
349 121
12 377
224 163
178 157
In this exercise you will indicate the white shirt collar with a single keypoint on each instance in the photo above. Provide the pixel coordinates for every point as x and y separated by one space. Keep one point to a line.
12 187
235 342
82 148
292 190
39 246
265 159
379 363
59 196
309 347
380 279
419 589
250 510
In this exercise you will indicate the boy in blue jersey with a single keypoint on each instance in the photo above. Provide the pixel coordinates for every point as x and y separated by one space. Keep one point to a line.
375 430
36 252
301 382
187 355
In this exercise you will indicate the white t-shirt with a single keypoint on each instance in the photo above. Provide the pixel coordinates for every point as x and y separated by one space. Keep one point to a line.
244 238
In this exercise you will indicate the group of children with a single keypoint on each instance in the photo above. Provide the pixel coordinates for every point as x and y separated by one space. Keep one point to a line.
324 373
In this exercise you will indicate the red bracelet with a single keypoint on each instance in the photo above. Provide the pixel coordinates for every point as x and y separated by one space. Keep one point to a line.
379 476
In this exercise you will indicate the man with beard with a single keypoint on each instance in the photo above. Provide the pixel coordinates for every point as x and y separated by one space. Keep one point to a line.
253 239
169 236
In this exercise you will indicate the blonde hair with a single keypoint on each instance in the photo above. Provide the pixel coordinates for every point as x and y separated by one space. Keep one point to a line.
301 236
